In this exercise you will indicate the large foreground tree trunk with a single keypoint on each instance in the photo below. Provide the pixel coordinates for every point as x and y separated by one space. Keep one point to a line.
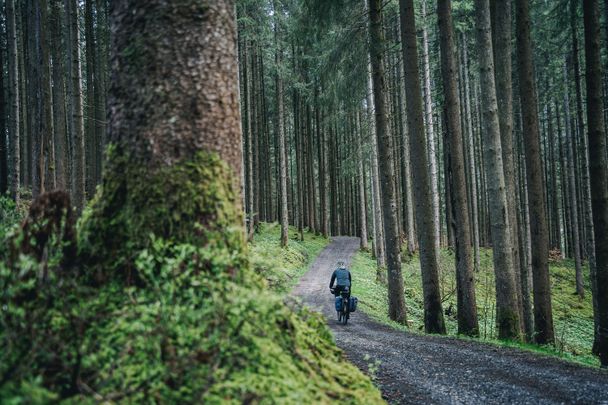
598 165
194 97
427 240
175 153
543 317
396 299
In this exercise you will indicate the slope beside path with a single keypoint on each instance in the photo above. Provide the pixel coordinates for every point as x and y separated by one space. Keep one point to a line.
418 369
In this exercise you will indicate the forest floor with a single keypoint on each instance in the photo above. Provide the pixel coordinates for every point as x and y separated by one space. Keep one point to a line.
572 316
413 368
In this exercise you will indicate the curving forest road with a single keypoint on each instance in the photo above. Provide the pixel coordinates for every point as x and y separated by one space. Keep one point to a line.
437 370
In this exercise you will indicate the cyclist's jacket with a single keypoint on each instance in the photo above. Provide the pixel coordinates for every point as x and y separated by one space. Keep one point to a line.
342 278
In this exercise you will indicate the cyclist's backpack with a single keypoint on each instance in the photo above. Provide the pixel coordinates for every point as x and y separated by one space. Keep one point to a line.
352 303
338 304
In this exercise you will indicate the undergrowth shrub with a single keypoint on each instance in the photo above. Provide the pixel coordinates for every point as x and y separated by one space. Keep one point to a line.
11 214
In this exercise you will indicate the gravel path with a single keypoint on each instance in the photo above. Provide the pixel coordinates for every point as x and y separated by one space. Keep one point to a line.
425 369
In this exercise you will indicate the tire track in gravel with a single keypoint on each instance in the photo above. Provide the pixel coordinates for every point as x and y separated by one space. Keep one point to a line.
416 369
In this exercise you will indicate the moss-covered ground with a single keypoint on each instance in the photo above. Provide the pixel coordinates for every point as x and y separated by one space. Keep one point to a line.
150 299
573 317
283 267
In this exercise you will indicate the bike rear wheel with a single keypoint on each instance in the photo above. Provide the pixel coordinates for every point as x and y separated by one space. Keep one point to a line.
345 314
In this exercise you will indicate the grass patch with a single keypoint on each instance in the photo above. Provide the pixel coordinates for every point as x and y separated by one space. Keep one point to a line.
283 267
573 318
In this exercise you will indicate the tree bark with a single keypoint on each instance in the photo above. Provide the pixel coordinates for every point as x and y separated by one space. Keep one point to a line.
427 238
75 113
174 167
524 244
570 141
379 242
59 111
430 128
101 68
283 208
4 152
467 305
598 165
90 133
33 96
247 80
14 101
586 184
470 144
386 167
361 185
176 105
501 40
326 180
543 316
507 314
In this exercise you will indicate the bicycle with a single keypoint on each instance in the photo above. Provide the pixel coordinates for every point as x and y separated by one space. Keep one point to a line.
344 312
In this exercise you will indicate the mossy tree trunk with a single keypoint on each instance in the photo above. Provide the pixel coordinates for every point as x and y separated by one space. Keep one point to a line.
175 152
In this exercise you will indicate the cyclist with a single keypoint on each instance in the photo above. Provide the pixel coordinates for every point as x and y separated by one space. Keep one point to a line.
341 276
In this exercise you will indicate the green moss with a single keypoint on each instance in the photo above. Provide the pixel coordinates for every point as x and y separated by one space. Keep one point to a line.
189 337
508 324
283 267
190 202
196 326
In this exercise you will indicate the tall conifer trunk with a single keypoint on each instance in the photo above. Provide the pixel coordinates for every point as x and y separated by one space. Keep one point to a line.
598 165
425 225
387 168
501 41
543 316
14 129
467 306
75 113
507 315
